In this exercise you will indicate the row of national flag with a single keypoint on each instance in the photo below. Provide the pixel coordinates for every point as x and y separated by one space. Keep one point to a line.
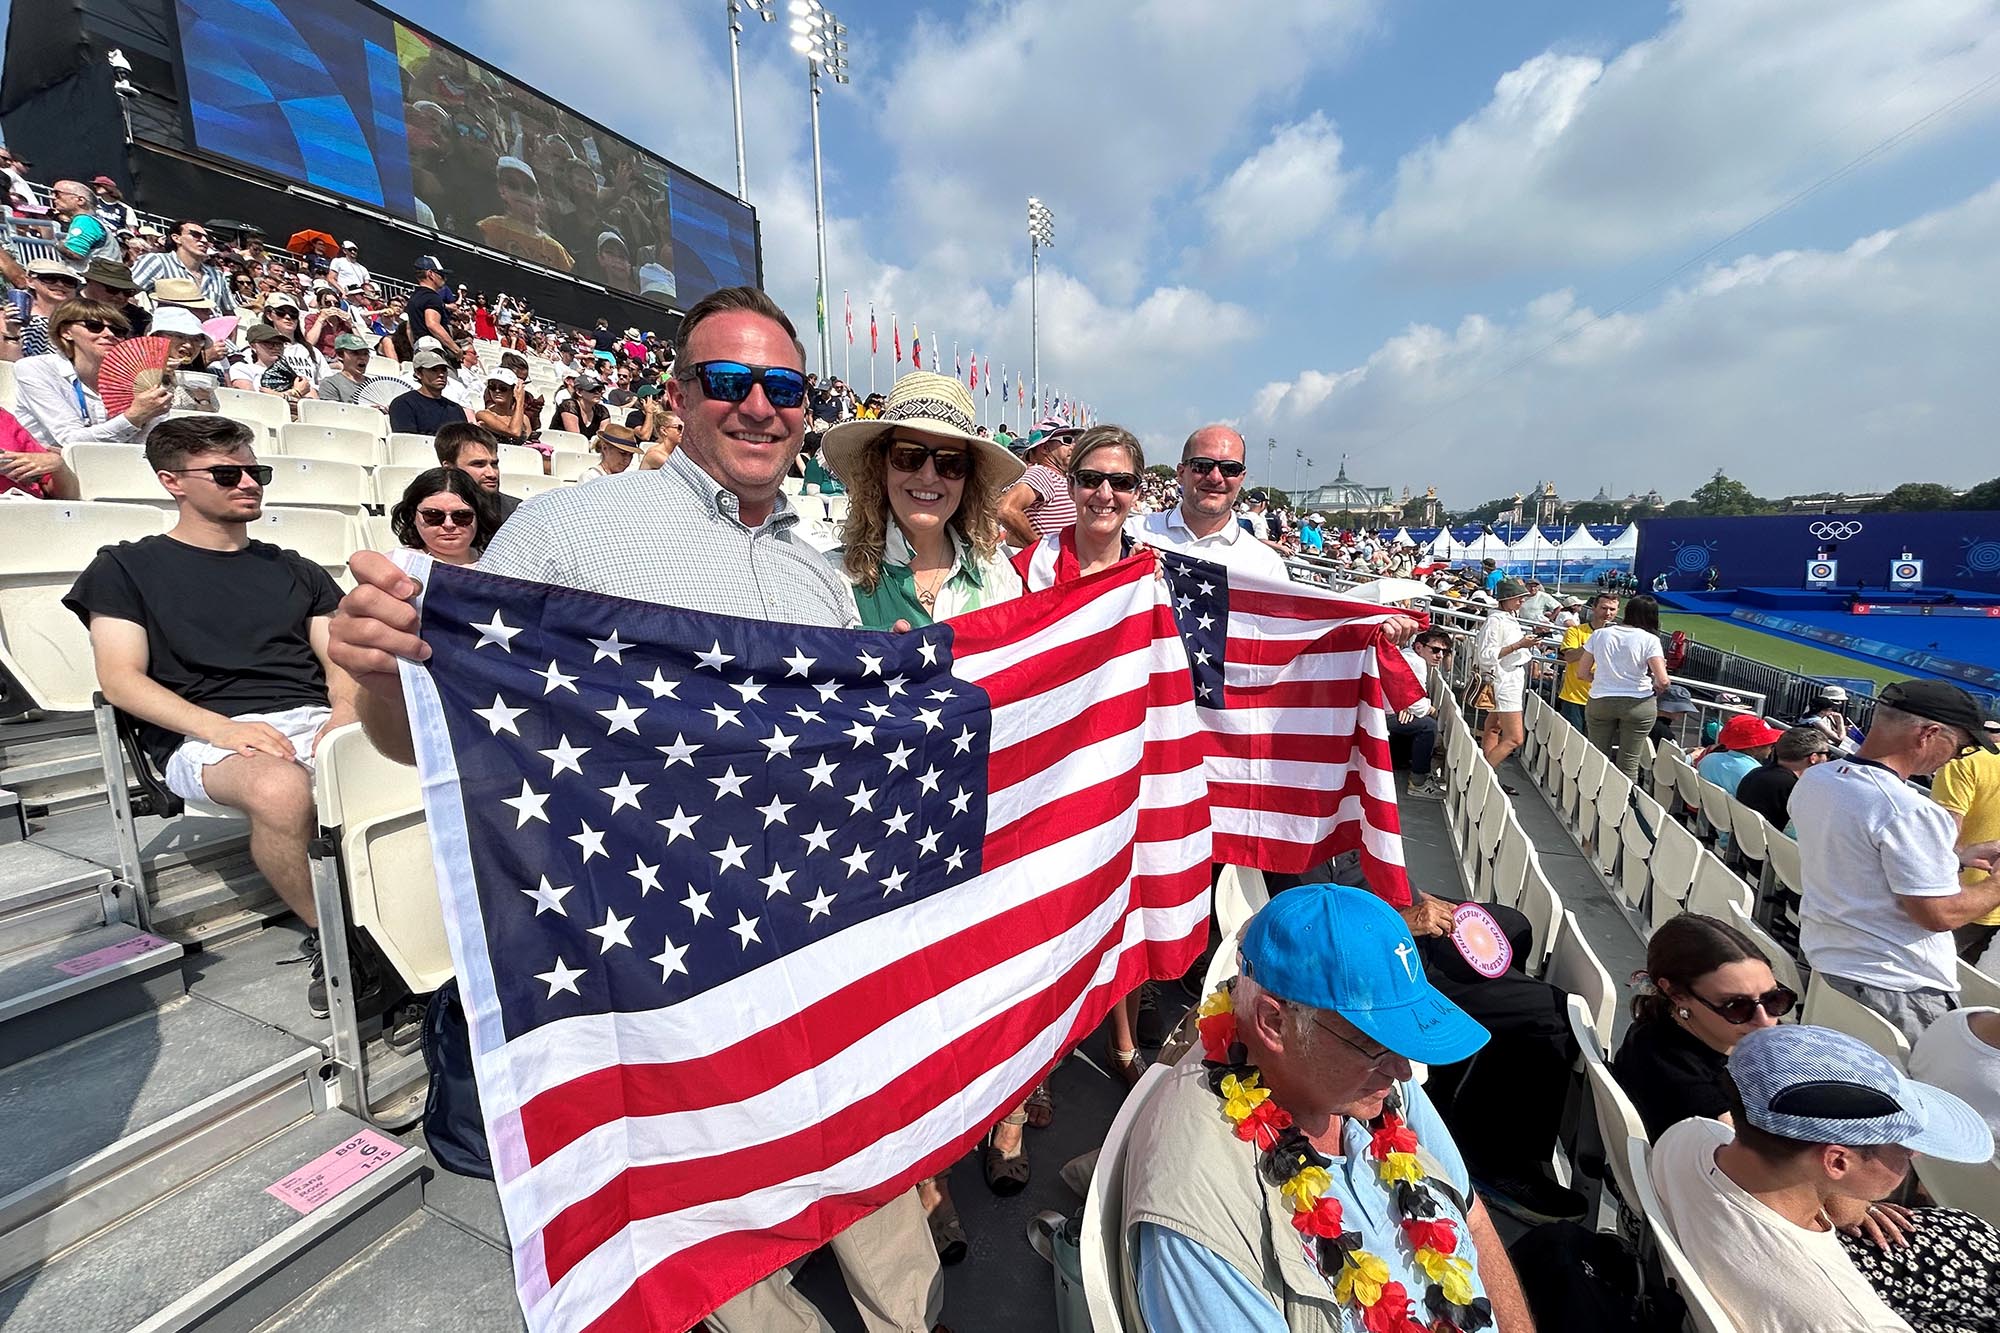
757 924
972 372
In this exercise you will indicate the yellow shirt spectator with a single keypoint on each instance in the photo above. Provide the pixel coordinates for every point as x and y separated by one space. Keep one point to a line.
1970 789
1574 691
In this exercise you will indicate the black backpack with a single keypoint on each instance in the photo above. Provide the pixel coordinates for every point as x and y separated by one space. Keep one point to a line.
454 1126
1577 1278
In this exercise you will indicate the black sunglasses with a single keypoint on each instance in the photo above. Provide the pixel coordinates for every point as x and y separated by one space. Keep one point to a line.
439 518
227 475
731 382
951 464
1088 479
61 279
1776 1002
1201 467
99 326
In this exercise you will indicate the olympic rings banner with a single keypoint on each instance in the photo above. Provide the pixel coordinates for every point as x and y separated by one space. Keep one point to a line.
1959 551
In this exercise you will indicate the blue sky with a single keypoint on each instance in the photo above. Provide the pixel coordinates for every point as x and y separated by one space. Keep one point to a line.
1451 241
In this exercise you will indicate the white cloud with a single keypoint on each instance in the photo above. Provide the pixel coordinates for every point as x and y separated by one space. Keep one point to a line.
1792 371
1286 193
1728 111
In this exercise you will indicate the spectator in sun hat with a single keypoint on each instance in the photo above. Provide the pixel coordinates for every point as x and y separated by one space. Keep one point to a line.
1040 503
1881 859
616 446
351 353
1330 1010
1744 742
1829 714
110 281
349 274
1822 1133
50 283
181 292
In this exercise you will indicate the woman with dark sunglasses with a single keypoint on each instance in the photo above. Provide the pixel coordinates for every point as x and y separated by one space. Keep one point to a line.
1706 987
56 393
1106 468
444 514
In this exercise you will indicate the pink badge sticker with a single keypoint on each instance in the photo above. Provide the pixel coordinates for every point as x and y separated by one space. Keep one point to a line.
319 1180
1480 941
110 955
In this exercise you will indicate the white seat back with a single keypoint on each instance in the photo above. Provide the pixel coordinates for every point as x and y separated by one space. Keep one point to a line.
385 853
322 483
1617 1121
1977 990
1974 1186
1783 966
323 536
568 440
1830 1008
48 543
1575 970
370 421
1543 909
9 395
409 449
524 485
384 365
116 472
1103 1238
1676 857
336 444
1239 892
1781 852
1714 806
376 534
518 460
1717 888
1705 1313
392 481
568 465
1749 829
266 410
1600 834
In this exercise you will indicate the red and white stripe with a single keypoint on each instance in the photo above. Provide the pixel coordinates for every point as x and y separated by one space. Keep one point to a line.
651 1165
1300 768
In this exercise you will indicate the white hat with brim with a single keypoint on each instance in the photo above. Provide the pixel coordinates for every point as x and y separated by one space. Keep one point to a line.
922 403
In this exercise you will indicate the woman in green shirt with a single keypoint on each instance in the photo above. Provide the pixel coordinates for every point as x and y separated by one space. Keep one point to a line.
921 544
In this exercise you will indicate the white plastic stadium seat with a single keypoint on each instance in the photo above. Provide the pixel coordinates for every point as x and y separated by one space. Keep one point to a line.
1575 970
1717 888
522 485
370 421
7 391
408 449
323 536
1543 909
1705 1313
43 646
1783 966
320 482
1830 1008
116 472
518 460
1977 990
336 444
260 409
1974 1187
568 465
566 439
1103 1238
391 482
375 534
1675 859
377 811
384 365
1239 892
1750 830
1617 1122
1782 855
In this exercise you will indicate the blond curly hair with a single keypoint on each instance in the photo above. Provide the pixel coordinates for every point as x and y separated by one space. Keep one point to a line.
865 534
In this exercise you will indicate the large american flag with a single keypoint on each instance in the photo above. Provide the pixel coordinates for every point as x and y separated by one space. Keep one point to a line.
756 924
1297 698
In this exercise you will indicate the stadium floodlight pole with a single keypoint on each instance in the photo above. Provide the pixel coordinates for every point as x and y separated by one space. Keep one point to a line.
1041 232
762 9
822 40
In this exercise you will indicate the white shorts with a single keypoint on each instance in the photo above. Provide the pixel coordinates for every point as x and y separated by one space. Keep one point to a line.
1509 689
186 764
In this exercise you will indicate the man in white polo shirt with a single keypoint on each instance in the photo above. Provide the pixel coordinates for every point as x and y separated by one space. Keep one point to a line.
1204 524
1881 894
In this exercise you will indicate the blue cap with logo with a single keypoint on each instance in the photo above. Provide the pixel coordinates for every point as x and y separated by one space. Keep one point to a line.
1343 949
1817 1085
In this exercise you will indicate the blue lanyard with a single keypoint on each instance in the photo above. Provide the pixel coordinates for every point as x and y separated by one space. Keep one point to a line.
82 407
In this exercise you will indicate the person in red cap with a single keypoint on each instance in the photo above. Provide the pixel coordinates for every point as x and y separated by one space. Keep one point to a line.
1744 743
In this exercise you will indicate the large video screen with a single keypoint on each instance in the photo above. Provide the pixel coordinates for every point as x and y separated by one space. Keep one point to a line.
343 97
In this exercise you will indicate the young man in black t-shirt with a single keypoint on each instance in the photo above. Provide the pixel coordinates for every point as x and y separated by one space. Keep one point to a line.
217 644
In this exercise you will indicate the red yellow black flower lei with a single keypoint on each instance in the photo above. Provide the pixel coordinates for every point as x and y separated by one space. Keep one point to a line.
1288 1161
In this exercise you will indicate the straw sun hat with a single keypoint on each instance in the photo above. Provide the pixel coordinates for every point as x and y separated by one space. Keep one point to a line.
936 407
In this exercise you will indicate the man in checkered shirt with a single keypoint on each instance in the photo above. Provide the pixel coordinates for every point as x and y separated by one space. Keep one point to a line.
710 531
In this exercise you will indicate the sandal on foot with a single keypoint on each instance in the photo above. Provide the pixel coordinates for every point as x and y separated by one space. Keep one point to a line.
1126 1064
947 1233
1041 1107
1007 1175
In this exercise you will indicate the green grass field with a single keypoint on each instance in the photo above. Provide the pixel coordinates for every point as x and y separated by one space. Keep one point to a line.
1735 637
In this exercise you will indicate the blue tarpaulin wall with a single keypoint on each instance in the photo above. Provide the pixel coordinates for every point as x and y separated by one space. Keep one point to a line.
1959 550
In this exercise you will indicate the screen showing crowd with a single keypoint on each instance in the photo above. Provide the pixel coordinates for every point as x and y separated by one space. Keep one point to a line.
342 96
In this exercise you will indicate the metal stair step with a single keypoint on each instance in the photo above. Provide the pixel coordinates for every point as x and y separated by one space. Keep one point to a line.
222 1254
59 991
167 1095
45 895
426 1274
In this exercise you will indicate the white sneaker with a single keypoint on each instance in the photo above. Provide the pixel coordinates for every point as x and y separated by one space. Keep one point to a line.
1426 790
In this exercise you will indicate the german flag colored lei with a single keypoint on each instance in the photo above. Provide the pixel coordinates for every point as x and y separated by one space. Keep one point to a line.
1288 1161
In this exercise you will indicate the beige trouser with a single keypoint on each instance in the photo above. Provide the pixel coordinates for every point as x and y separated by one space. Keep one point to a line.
891 1267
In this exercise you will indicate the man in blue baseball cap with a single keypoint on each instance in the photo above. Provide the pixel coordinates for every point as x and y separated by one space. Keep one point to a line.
1823 1132
1331 1007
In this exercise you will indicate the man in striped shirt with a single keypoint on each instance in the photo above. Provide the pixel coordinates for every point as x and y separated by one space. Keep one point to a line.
188 259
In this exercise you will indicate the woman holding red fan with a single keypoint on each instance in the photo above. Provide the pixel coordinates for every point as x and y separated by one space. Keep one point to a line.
57 397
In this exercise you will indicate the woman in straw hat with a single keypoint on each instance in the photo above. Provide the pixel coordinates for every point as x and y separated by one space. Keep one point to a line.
921 542
617 445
